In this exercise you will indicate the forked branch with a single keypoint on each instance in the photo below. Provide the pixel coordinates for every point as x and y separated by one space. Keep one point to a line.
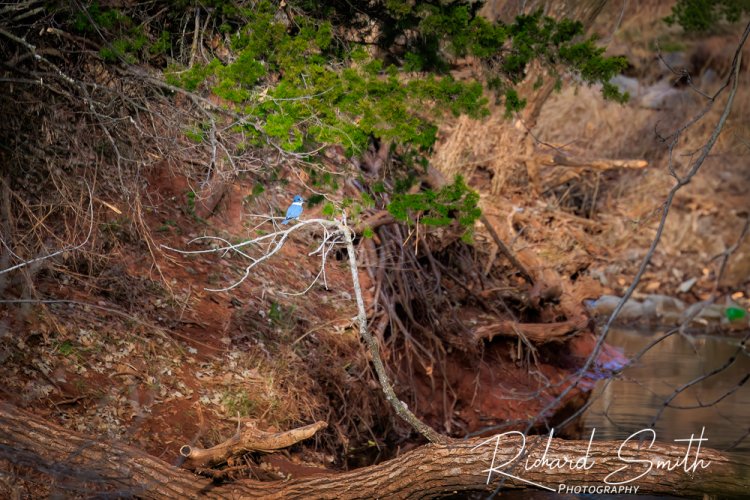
248 439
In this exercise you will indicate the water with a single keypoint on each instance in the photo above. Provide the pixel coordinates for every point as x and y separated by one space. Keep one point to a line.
633 400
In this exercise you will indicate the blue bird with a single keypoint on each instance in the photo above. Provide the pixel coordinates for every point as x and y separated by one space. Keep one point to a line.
294 210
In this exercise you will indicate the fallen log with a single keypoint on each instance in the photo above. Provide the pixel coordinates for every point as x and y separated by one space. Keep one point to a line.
244 440
433 470
560 160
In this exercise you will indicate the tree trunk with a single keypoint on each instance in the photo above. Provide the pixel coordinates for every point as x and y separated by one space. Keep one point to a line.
429 471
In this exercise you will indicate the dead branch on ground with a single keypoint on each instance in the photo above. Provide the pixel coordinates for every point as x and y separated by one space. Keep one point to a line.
560 160
248 439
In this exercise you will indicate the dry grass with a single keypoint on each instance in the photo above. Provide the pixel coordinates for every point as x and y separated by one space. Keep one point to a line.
708 214
490 144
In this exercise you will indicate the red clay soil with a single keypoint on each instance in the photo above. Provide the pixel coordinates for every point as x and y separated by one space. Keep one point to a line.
497 392
173 382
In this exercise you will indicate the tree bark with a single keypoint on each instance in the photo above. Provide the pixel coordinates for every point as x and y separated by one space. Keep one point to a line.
244 440
429 471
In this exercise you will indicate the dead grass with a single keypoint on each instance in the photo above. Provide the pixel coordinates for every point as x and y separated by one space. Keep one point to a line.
709 213
489 145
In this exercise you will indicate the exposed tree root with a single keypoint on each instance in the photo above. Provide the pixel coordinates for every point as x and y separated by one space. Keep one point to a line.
536 332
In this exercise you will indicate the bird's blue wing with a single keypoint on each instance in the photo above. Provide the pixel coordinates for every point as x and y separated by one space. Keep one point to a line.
293 212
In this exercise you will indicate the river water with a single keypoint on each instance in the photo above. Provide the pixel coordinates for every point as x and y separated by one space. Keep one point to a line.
633 400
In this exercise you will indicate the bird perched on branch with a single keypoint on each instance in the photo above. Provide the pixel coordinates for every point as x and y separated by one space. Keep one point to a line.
294 210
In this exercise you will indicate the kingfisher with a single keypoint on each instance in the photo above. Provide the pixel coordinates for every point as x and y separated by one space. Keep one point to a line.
294 210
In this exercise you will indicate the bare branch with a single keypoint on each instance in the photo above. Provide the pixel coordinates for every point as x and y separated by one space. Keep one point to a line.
333 232
62 250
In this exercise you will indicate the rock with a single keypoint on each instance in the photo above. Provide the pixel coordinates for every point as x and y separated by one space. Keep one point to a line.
631 311
709 77
661 95
627 84
668 309
704 313
673 61
686 285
